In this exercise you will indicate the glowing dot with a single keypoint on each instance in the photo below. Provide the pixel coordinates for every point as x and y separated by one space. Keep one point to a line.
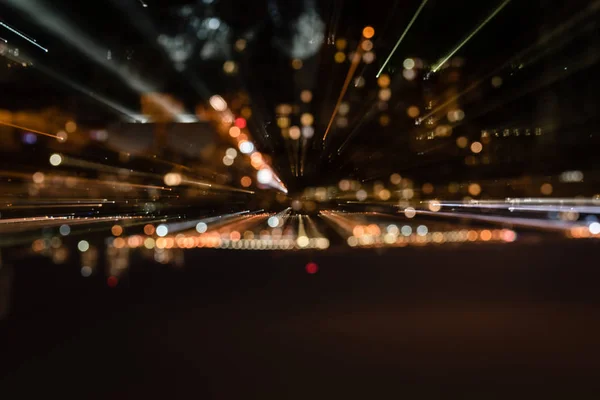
410 212
231 152
385 194
234 131
306 119
413 111
308 131
86 271
359 82
246 181
64 230
594 228
149 229
228 161
496 81
408 193
455 115
246 147
476 147
149 243
339 57
434 206
306 96
294 133
83 246
367 45
296 63
312 268
409 63
70 126
264 176
273 222
303 241
218 103
62 136
406 230
393 229
474 189
385 94
384 120
361 195
546 189
201 227
395 179
214 23
485 235
383 81
55 160
509 235
341 43
240 122
240 44
112 281
422 230
462 142
409 74
229 67
162 230
38 177
172 179
368 32
117 230
369 57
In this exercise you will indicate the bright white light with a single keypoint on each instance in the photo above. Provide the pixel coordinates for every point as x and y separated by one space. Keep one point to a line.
227 161
273 222
406 230
218 103
303 241
231 152
308 131
201 227
422 230
162 230
55 160
264 176
246 147
83 246
214 23
594 228
86 271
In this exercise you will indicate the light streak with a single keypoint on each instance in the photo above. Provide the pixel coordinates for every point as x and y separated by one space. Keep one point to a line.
29 130
414 18
436 67
30 40
351 71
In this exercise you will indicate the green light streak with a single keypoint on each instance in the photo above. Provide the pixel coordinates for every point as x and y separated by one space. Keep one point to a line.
402 37
461 44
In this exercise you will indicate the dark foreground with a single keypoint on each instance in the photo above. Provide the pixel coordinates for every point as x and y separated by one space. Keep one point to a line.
484 321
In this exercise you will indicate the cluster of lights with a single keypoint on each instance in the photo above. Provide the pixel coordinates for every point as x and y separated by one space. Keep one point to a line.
231 240
374 236
265 174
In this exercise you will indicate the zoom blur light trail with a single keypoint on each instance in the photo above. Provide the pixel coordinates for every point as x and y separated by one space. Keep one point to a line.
412 21
436 67
16 32
30 130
